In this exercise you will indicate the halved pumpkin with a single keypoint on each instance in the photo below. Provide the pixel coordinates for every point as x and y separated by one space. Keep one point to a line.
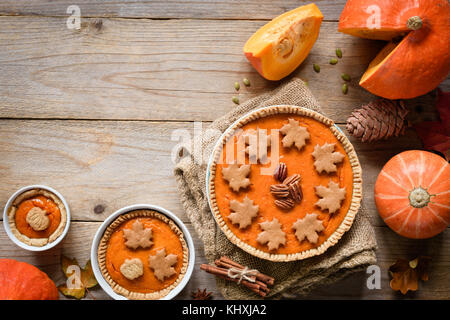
413 66
280 46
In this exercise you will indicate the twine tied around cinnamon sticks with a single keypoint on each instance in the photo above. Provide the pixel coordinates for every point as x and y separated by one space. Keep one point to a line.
242 275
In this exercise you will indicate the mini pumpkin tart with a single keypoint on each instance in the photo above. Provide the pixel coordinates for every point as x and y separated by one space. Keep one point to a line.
37 217
143 255
300 199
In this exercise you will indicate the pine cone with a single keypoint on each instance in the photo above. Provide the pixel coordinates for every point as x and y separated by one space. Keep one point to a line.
380 119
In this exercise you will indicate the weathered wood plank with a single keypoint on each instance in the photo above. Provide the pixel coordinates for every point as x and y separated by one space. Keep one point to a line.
118 163
166 9
391 247
156 69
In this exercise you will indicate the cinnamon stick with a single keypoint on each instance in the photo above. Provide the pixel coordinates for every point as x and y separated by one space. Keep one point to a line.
263 286
223 264
262 293
224 272
260 276
262 290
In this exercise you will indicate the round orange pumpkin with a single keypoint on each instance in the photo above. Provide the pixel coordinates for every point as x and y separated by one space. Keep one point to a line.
420 61
22 281
412 194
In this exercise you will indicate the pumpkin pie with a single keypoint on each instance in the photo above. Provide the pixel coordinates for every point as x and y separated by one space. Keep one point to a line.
143 255
296 203
37 217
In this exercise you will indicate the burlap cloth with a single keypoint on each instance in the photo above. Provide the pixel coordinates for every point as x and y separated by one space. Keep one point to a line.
353 253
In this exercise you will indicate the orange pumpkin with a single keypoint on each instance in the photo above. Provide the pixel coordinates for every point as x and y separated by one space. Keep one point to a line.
22 281
412 194
280 46
420 61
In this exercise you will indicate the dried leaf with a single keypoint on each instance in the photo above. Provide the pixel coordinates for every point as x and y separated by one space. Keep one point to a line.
86 278
435 135
72 293
406 274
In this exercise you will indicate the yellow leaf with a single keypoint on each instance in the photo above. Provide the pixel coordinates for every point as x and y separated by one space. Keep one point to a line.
66 262
72 293
86 277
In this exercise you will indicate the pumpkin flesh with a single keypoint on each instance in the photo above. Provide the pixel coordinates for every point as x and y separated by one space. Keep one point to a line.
280 46
419 62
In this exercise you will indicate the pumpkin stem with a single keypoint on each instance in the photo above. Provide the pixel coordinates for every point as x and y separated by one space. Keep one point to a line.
414 23
419 197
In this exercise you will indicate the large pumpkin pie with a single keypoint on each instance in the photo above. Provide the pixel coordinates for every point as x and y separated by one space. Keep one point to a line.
284 183
37 217
143 255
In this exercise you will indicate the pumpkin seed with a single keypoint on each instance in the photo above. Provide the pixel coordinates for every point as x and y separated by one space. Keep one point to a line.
235 100
344 88
237 86
306 83
316 67
339 53
333 61
246 82
345 77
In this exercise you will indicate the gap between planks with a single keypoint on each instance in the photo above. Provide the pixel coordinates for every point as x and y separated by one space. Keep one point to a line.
5 14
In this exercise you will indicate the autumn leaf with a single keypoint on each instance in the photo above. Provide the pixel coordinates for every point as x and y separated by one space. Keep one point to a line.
80 279
435 135
406 274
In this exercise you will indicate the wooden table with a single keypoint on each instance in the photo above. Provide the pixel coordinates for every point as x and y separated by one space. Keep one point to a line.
91 112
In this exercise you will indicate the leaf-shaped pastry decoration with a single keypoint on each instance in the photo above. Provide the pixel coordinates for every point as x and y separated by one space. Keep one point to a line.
308 228
326 158
161 264
243 212
331 197
294 134
237 176
271 234
138 236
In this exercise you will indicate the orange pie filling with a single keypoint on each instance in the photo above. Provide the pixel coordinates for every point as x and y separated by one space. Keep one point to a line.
142 275
37 217
297 162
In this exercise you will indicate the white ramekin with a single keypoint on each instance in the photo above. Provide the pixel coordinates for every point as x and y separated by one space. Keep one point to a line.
13 237
99 234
